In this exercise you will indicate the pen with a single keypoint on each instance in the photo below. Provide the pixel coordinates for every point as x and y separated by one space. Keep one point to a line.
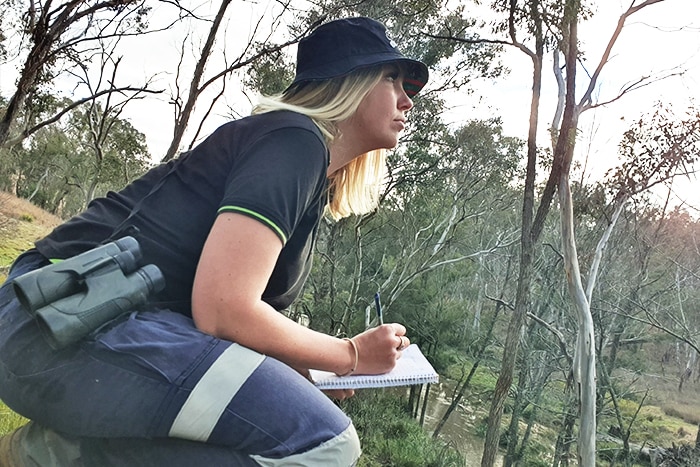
378 305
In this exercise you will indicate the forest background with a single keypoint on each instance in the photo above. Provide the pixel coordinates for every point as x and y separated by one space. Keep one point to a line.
550 271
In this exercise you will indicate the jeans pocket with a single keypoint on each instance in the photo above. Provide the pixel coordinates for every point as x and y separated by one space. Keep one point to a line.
160 344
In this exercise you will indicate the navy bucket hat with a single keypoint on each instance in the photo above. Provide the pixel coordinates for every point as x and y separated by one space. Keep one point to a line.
342 46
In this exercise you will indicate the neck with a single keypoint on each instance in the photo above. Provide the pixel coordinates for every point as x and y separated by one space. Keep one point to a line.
340 156
345 147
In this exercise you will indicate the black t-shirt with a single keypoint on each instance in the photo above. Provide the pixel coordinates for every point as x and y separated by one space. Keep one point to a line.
271 167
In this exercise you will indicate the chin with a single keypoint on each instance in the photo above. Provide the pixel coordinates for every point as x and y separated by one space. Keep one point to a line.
390 143
384 143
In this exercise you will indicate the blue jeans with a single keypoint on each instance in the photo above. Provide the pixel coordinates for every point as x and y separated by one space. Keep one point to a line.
150 386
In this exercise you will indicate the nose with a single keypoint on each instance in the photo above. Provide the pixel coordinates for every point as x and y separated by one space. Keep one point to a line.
404 102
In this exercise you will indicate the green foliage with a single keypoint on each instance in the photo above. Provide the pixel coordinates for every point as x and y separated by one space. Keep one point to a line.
390 437
653 425
481 427
443 359
633 361
537 455
270 74
607 450
63 167
483 380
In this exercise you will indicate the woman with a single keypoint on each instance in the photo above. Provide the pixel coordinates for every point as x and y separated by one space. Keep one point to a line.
209 372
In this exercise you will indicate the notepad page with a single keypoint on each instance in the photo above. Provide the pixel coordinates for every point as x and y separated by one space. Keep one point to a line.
412 368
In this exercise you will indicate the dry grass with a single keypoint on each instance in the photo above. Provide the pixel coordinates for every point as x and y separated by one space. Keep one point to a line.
664 388
683 404
9 420
21 223
16 208
670 415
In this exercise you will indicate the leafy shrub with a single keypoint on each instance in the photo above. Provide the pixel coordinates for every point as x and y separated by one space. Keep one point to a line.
391 437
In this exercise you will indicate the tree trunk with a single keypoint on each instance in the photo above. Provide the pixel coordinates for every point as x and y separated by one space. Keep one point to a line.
584 361
25 85
510 352
46 28
518 405
414 399
424 406
183 118
566 436
530 231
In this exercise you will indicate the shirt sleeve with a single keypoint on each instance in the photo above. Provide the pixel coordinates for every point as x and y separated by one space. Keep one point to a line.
277 178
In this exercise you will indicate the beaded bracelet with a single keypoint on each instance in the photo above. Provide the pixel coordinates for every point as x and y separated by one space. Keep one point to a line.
357 357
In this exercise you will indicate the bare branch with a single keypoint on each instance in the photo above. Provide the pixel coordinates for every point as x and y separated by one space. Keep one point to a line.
655 323
638 84
72 106
561 339
587 96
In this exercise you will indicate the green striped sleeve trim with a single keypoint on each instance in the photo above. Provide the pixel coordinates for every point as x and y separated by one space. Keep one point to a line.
260 217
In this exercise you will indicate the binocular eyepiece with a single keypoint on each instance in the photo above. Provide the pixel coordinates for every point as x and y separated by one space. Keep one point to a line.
76 296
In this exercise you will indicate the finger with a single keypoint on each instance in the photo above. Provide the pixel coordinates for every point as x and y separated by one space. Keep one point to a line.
399 329
403 343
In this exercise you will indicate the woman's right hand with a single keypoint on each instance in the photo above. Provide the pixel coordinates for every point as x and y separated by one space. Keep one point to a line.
379 348
238 314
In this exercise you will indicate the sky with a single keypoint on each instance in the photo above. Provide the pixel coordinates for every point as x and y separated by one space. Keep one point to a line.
659 40
664 39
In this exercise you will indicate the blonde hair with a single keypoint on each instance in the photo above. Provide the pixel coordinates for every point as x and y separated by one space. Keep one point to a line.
355 187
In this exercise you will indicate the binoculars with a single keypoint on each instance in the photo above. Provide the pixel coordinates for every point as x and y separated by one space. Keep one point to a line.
76 296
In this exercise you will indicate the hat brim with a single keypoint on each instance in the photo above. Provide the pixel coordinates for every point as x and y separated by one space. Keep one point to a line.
416 76
416 72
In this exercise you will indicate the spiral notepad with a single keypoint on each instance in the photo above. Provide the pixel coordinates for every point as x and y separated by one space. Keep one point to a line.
412 368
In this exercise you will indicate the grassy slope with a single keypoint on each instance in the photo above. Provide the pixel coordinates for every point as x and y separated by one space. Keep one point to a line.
20 224
669 415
